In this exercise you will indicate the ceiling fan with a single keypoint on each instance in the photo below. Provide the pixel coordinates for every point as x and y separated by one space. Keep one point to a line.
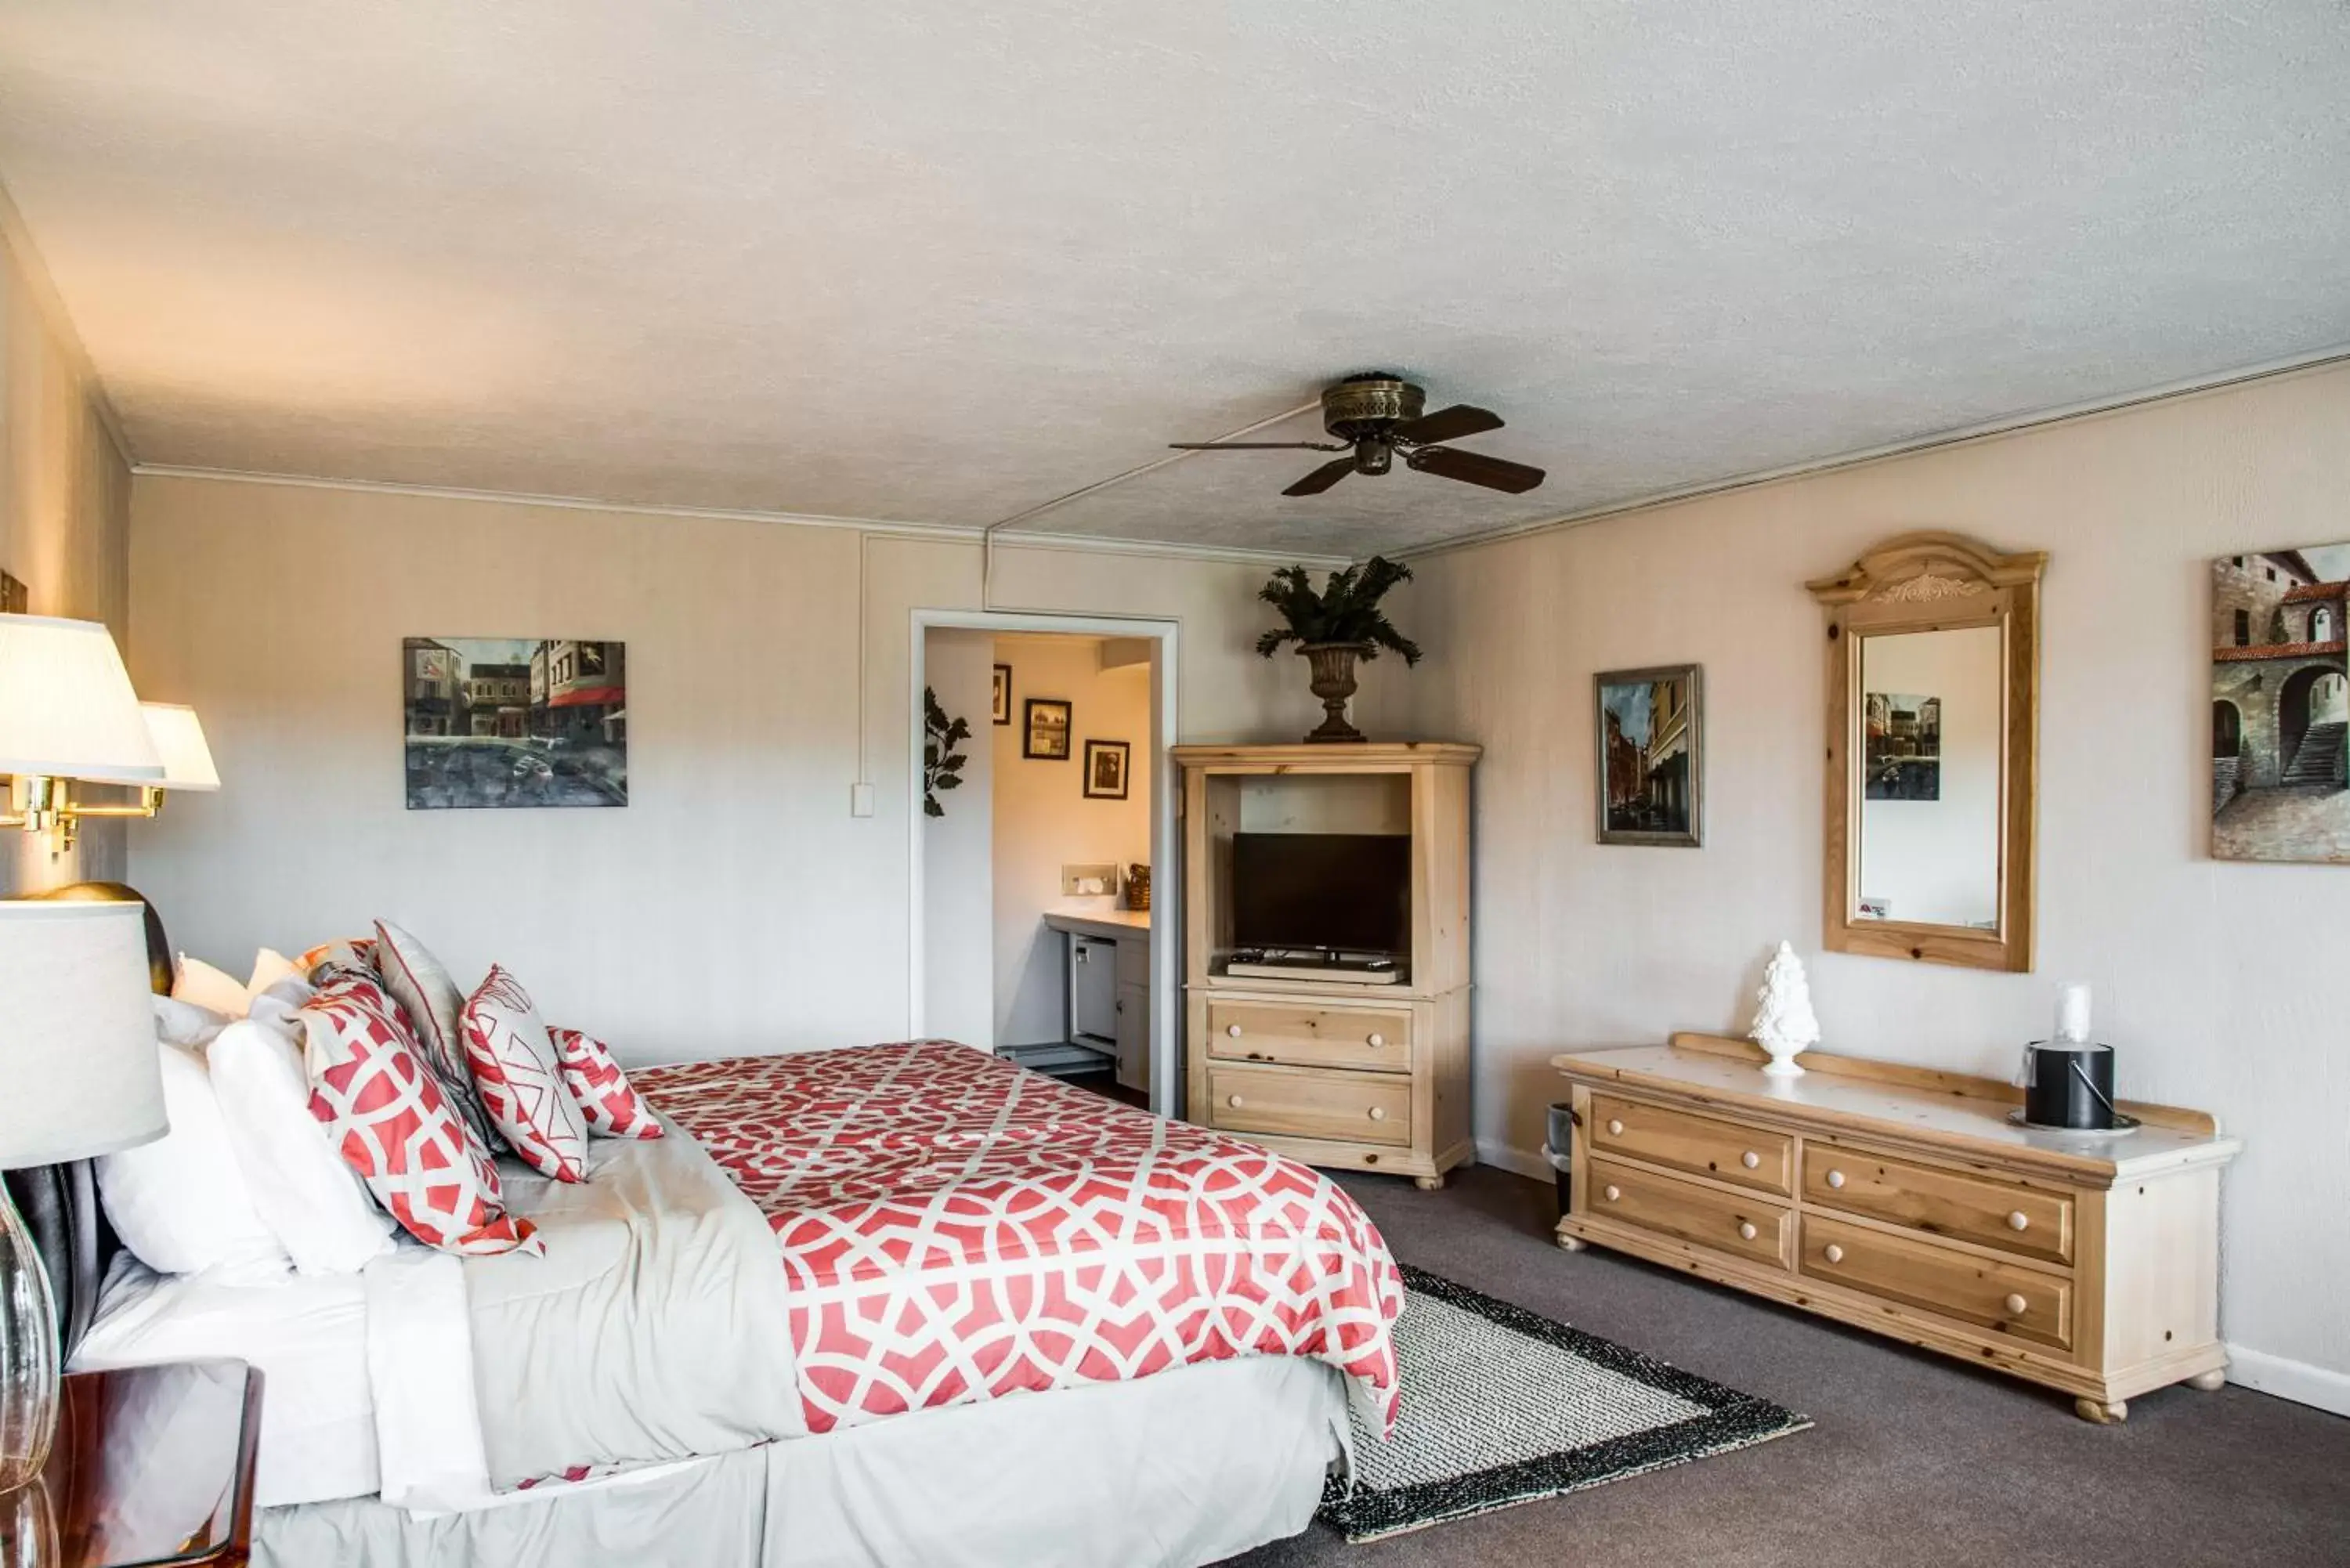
1378 414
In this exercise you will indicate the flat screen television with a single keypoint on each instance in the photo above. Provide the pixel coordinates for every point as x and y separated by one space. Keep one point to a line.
1348 892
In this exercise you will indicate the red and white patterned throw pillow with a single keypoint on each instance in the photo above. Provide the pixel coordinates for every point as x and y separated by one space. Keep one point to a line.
383 1110
420 984
520 1081
607 1101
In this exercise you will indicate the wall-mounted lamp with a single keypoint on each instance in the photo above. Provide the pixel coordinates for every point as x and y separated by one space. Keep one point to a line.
67 714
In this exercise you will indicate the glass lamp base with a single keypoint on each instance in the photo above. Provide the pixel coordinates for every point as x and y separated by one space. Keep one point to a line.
28 1354
28 1531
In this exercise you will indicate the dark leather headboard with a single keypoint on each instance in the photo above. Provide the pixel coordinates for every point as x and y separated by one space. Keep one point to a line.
60 1202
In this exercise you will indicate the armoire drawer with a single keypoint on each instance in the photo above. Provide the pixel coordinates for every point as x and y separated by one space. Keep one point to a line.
1751 1157
1967 1286
1706 1216
1308 1036
2029 1221
1359 1107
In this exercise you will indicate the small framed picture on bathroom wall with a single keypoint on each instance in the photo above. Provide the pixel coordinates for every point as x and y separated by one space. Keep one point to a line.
1002 713
1046 729
1106 764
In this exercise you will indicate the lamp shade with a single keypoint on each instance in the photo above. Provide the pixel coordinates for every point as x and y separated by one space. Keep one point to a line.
179 741
78 1074
66 709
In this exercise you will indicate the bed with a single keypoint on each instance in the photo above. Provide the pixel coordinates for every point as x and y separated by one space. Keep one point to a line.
896 1303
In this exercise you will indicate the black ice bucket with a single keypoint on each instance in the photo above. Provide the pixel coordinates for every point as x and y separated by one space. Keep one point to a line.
2069 1085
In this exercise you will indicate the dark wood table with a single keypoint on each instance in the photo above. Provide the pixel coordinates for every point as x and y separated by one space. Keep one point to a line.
151 1465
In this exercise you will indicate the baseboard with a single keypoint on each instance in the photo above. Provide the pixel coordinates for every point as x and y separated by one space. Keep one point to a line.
2298 1381
1526 1162
2295 1380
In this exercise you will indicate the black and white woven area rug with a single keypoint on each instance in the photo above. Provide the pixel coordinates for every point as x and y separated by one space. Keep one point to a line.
1501 1406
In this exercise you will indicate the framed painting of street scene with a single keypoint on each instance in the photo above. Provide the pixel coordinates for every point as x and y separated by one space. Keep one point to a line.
1902 750
1650 756
514 721
2280 705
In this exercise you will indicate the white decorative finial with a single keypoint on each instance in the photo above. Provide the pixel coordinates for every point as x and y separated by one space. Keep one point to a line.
1784 1023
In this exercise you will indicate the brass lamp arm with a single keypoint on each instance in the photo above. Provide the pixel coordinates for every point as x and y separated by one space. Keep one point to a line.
50 809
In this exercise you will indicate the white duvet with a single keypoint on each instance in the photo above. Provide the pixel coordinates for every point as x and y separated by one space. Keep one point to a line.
653 1329
367 1379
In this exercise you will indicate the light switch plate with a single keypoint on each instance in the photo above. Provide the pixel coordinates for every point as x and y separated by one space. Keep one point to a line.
1087 881
861 800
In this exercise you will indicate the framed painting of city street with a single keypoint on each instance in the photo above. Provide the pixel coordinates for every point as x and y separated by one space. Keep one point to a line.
1651 755
2280 705
493 722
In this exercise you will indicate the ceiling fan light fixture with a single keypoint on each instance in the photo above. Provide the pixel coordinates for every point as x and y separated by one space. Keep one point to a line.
1374 414
1370 405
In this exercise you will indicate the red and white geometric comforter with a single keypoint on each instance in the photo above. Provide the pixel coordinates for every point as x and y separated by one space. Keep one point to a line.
956 1228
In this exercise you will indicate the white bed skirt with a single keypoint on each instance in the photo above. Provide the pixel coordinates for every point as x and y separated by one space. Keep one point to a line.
1185 1467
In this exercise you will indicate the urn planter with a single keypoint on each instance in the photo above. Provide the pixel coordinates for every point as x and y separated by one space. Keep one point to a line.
1332 668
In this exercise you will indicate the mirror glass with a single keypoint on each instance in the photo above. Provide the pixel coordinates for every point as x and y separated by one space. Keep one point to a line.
1928 760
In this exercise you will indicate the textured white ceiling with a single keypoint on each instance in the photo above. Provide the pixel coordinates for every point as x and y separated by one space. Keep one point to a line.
942 262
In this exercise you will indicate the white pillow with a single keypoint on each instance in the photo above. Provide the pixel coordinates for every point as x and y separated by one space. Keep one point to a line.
269 966
200 983
279 1005
180 1203
326 1219
179 1022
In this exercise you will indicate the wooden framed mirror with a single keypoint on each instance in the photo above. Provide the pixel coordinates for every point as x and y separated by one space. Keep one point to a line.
1933 655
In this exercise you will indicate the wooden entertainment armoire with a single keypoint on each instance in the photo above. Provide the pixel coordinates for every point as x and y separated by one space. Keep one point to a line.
1332 1072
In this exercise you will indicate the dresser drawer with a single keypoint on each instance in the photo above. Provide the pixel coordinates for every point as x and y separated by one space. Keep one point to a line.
1703 1215
1378 1042
2010 1299
2020 1219
1359 1107
1747 1155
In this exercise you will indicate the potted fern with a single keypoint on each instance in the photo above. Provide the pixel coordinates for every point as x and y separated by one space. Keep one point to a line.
1334 628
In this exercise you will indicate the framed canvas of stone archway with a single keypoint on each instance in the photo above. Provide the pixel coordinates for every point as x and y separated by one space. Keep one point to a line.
2280 705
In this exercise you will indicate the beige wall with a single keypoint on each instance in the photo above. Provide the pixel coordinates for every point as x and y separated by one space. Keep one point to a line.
734 904
65 511
2214 980
1044 820
959 848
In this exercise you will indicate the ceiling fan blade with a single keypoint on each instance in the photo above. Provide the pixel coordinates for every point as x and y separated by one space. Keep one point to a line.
1448 424
1322 478
1472 468
1258 446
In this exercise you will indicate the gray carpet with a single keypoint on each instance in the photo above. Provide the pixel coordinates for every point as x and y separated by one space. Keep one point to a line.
1914 1459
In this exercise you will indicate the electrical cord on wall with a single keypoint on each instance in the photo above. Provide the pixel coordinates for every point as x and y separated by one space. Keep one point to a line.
987 535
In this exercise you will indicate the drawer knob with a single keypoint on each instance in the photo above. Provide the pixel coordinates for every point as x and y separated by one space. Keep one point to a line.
1834 1254
1233 1030
2019 1220
1836 1179
1233 1101
1615 1129
1376 1041
2016 1306
1613 1193
1379 1113
1750 1159
1746 1232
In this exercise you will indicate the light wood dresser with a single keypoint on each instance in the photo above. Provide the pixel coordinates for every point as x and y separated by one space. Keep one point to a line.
1903 1201
1332 1072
